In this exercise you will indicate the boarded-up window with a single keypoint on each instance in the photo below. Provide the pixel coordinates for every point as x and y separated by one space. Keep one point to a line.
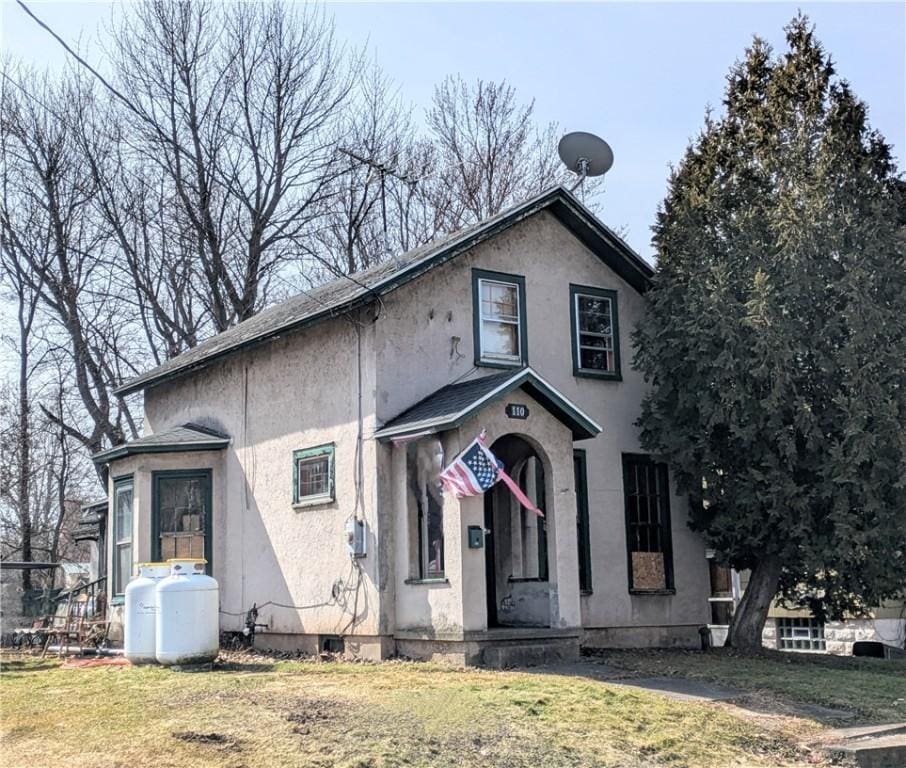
182 515
721 580
646 490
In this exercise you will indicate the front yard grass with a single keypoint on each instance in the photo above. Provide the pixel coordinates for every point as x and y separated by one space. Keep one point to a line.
873 689
360 716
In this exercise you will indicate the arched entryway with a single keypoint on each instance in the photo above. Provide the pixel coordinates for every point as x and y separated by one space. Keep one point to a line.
517 555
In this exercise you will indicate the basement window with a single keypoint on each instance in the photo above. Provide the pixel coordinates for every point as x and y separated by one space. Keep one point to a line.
313 475
800 634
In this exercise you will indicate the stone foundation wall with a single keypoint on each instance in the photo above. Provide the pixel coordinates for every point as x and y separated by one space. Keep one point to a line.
839 636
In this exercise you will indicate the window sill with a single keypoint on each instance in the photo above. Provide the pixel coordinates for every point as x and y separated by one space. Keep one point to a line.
314 501
432 580
580 373
586 592
528 579
118 600
492 363
653 592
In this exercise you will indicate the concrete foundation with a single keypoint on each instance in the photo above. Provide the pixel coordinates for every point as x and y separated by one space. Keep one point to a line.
367 647
494 648
676 636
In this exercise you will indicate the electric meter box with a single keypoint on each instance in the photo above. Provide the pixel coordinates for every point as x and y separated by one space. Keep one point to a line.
355 537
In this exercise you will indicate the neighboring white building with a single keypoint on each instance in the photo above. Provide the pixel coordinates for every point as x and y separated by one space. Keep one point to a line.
330 416
797 630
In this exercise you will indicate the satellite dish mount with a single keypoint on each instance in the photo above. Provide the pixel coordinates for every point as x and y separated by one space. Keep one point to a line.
585 155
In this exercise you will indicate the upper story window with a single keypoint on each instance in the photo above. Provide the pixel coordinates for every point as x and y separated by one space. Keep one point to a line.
499 318
595 332
313 475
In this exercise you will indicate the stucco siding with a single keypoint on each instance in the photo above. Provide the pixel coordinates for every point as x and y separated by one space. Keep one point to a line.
293 393
424 340
325 384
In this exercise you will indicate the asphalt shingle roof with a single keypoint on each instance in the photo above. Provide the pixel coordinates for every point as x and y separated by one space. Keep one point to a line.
345 293
188 437
451 405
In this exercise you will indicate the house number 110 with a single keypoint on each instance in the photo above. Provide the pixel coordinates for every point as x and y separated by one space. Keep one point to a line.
516 411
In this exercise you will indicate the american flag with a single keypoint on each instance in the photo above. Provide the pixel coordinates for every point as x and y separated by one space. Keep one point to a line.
476 470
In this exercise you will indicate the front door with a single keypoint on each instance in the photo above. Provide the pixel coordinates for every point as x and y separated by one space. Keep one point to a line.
181 514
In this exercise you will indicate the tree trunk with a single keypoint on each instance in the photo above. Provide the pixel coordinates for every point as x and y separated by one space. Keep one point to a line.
23 439
752 611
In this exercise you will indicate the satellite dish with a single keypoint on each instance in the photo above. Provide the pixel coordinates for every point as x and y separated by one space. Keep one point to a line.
586 155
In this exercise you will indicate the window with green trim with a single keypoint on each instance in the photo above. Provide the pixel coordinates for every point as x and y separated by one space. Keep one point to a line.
595 332
123 502
313 475
498 306
646 490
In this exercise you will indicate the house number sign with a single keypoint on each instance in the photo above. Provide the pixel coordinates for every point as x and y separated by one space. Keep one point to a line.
517 411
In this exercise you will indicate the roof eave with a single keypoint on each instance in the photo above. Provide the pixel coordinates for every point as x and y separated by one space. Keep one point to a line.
568 209
580 424
121 451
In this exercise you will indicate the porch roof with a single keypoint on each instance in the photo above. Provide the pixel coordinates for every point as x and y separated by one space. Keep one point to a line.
451 405
188 437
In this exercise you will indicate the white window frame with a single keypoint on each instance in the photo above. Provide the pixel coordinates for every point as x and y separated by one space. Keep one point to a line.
122 543
517 283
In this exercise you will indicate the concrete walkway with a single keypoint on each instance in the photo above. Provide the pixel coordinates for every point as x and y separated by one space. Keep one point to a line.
688 689
868 746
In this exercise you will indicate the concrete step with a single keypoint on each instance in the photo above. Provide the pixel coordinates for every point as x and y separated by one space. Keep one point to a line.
528 654
875 746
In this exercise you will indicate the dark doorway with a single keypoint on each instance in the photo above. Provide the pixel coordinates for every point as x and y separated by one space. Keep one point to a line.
516 550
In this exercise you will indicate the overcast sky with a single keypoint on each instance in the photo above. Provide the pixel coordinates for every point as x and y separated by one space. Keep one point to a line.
640 75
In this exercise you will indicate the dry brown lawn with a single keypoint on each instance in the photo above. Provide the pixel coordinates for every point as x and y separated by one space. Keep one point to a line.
356 715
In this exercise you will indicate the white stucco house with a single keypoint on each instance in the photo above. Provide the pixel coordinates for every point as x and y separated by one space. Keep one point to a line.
328 418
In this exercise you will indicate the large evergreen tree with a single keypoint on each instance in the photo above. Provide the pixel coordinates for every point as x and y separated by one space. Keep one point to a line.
775 343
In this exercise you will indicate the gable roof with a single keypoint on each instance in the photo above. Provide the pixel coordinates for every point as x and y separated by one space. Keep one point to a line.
453 404
347 293
188 437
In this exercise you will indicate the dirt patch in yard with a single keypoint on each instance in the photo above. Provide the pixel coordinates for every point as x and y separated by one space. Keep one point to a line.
217 739
309 712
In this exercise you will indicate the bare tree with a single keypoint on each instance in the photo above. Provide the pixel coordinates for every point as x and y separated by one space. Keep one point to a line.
36 527
376 136
50 233
237 107
490 152
16 473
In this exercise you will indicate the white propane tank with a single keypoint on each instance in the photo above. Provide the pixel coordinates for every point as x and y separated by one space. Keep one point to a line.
188 626
140 618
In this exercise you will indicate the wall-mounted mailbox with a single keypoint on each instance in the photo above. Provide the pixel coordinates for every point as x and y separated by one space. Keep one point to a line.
476 537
